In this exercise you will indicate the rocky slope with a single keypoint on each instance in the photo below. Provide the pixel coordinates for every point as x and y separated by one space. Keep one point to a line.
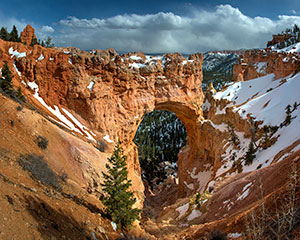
84 102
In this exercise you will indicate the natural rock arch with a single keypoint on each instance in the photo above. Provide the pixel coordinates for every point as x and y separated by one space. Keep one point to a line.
125 87
123 95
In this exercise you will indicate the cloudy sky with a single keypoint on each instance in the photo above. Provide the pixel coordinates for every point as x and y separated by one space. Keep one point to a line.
154 26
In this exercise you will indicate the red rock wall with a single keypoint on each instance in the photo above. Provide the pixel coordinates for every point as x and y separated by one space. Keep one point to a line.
281 64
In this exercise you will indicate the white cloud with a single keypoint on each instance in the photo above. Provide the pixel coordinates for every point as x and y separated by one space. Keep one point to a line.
224 28
293 11
47 29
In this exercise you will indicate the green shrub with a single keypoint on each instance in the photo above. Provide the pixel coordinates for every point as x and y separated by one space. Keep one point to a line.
42 142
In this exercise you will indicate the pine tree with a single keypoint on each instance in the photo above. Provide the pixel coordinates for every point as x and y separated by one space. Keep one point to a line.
19 94
250 155
4 34
6 80
14 36
118 200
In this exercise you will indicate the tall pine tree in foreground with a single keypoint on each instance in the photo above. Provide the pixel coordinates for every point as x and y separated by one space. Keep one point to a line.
6 80
118 200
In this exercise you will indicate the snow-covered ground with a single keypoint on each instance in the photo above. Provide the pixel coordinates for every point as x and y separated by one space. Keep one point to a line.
264 99
290 49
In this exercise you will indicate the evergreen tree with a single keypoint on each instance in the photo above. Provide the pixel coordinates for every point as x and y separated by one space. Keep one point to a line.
6 80
14 36
296 29
4 34
118 200
19 94
288 117
250 155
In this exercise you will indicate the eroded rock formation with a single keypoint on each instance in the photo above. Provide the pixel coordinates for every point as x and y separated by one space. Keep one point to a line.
27 35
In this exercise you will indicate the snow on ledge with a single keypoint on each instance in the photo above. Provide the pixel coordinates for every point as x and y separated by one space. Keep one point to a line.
16 53
107 139
41 57
91 85
245 192
182 210
194 214
83 128
33 86
135 58
17 70
62 119
114 226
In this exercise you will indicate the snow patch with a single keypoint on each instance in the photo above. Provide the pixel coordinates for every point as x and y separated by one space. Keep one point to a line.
135 58
16 53
41 57
261 67
82 127
62 119
107 139
290 49
245 192
194 214
218 111
182 210
33 86
136 65
70 61
91 85
114 226
189 186
234 235
206 105
17 70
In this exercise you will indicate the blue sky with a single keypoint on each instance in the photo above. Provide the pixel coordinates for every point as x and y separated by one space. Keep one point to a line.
154 26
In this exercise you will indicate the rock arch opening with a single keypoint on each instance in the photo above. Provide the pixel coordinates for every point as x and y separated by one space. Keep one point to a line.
159 138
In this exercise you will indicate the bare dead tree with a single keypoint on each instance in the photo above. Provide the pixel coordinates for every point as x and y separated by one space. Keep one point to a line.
279 223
